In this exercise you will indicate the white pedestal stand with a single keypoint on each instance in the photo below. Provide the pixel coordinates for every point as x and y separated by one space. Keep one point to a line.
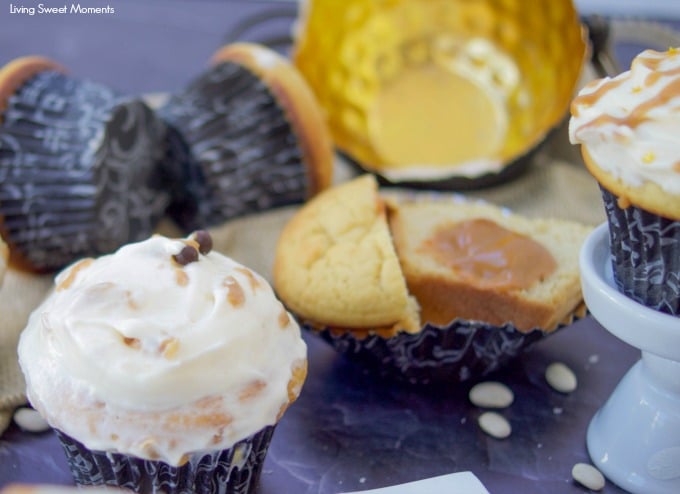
634 439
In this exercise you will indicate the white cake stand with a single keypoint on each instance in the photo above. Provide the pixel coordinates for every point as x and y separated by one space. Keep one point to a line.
634 439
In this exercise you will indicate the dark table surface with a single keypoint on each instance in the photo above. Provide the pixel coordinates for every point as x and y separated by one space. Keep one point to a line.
350 429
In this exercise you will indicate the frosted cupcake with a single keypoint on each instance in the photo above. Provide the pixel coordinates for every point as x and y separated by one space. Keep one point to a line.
79 169
627 127
245 135
163 367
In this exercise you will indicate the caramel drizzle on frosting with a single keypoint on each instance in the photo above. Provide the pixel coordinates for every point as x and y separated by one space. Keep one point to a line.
254 282
73 272
639 114
284 319
235 294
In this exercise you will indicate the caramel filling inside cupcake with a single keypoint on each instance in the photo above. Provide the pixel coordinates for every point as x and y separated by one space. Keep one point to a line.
490 256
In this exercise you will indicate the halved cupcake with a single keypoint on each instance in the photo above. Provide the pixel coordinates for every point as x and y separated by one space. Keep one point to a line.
246 135
78 166
426 288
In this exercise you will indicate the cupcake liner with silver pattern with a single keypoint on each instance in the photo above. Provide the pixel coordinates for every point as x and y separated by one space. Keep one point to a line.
79 171
645 250
231 148
461 351
232 471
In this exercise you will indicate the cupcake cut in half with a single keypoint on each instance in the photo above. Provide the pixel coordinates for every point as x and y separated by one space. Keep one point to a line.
245 135
78 166
426 287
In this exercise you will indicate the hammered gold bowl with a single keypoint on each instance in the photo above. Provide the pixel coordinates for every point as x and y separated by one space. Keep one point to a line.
434 90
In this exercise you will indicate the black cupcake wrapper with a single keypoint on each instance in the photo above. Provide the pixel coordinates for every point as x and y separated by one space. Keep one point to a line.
79 170
461 351
232 471
645 251
231 148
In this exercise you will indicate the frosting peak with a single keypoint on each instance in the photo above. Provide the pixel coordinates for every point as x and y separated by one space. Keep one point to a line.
628 124
161 327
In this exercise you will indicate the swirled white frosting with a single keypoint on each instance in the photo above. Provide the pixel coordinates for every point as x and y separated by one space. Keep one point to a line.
136 353
629 124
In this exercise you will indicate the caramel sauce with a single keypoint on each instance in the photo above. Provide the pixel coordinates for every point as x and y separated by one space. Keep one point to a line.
70 278
490 256
284 319
132 342
639 114
235 294
254 282
252 389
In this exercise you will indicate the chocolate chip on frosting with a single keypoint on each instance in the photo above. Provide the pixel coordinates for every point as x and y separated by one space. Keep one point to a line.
205 242
187 255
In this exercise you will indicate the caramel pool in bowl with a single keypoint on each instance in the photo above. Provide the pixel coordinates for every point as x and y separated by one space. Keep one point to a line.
439 91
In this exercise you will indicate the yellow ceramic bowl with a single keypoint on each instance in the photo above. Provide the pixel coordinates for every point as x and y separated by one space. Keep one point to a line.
426 90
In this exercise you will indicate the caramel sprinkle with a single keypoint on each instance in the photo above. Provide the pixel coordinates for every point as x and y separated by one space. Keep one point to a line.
284 319
132 342
252 389
254 282
73 272
235 294
169 348
182 278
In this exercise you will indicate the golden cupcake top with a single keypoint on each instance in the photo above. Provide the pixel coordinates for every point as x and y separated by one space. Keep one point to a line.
335 263
422 90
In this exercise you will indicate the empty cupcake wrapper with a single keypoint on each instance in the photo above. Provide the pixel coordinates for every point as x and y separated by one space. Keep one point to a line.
232 149
645 251
78 171
232 471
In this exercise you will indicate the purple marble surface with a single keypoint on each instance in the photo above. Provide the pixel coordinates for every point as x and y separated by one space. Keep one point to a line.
351 430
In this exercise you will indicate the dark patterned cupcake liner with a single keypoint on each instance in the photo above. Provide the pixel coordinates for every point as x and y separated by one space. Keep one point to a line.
231 148
461 351
79 171
232 471
645 251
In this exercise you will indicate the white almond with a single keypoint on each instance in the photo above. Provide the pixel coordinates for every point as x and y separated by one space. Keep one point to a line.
30 420
560 377
491 394
588 476
494 424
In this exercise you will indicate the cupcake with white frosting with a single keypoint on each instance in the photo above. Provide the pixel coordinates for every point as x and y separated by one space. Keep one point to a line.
627 127
163 367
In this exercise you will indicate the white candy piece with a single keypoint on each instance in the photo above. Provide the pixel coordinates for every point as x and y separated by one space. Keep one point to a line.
494 424
30 420
588 476
491 394
560 377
